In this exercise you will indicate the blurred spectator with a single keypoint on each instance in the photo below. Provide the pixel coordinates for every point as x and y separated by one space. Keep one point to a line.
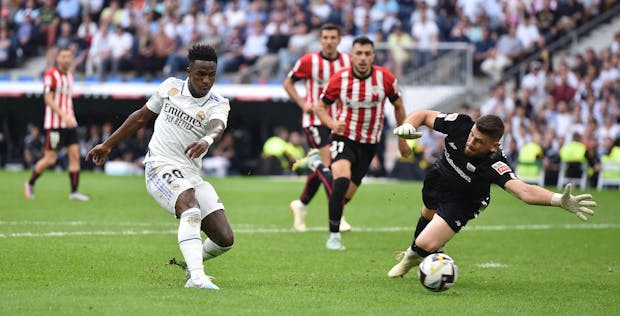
219 158
29 9
400 43
121 55
425 34
33 146
483 49
47 23
278 153
498 104
163 46
100 50
26 36
69 11
508 49
8 56
563 91
547 17
232 51
527 32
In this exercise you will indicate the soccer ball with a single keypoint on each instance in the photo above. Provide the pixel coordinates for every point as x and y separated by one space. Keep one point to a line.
437 272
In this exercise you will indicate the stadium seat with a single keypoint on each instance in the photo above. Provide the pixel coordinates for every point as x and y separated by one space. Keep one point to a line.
531 172
609 174
573 172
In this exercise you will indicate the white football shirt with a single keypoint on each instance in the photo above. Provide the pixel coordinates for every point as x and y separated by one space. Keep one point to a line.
182 120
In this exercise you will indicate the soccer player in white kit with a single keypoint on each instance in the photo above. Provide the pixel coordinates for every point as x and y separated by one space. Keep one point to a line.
189 118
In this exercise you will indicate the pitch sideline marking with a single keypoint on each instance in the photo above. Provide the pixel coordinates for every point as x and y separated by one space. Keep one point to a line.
250 229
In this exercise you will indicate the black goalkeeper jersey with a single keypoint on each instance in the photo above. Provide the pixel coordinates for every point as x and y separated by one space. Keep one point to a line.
463 177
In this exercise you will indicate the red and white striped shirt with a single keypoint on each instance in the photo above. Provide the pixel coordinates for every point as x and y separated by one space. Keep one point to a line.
363 101
61 85
317 70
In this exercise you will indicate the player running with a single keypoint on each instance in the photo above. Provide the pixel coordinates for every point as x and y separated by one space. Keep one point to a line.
189 117
59 124
362 90
316 69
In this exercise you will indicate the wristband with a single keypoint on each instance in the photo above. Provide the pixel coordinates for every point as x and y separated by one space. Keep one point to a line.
208 139
556 199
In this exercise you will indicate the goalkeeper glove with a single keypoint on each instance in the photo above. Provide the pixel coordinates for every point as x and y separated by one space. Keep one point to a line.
407 131
577 204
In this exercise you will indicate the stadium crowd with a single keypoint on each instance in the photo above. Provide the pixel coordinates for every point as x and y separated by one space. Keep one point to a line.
260 40
558 101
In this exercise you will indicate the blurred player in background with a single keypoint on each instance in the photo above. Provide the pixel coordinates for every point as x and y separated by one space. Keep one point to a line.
362 90
316 69
188 119
457 187
60 126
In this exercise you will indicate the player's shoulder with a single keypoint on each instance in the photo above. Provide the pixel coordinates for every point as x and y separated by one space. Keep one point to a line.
218 99
170 87
386 72
50 72
455 117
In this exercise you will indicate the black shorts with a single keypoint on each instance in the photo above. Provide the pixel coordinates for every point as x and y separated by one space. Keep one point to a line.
318 135
454 209
60 137
360 155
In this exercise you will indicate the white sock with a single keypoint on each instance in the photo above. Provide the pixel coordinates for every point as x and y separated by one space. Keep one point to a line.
190 241
409 253
334 235
211 250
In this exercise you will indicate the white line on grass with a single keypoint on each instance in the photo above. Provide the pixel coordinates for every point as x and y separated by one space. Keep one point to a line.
250 229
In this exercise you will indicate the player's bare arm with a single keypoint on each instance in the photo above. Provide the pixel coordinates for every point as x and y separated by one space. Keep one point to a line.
422 118
198 149
289 87
322 111
407 129
533 194
49 100
399 113
134 122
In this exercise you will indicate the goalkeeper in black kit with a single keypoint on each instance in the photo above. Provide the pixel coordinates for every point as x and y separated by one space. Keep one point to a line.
457 187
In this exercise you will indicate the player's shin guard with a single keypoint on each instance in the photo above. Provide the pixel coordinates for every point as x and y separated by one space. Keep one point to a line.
313 182
325 174
422 222
211 250
421 252
190 241
336 203
74 179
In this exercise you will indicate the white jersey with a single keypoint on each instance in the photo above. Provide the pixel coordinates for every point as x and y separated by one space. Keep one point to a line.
182 120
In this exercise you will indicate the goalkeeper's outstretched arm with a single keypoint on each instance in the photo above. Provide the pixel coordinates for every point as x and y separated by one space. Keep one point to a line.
536 195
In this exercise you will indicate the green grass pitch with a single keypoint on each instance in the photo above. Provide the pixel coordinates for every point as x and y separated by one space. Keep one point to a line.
109 256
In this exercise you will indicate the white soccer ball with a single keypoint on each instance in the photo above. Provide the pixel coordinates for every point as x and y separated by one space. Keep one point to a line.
437 272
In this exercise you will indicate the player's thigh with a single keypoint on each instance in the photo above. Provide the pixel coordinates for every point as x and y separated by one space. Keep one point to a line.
208 198
364 155
317 135
165 183
435 234
217 228
341 169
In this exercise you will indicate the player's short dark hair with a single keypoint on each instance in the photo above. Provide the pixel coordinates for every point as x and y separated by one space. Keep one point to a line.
363 40
329 27
491 125
202 52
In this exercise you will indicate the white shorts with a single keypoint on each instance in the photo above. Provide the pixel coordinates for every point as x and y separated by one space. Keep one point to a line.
165 182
